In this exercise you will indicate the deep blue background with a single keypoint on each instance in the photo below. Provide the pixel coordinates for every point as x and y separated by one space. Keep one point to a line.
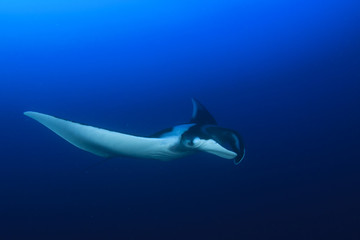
285 74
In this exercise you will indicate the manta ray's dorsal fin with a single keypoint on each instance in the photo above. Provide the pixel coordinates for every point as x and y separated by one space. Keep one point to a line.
201 115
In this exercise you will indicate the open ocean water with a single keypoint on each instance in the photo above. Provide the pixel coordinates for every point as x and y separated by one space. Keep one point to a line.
284 74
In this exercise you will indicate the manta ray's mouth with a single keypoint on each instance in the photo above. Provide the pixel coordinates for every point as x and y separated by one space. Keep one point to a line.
210 146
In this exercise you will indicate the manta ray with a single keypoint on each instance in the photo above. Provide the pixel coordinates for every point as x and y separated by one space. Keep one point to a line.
201 134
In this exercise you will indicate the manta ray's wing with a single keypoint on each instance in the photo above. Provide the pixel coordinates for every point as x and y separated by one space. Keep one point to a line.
102 142
201 115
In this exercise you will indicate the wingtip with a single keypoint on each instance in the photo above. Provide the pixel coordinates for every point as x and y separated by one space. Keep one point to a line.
31 114
27 113
194 103
194 100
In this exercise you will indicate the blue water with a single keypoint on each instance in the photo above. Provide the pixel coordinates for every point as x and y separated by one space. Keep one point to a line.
284 74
